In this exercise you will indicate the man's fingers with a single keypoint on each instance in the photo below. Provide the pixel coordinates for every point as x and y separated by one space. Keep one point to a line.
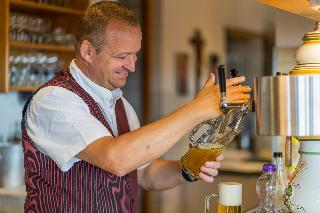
212 164
237 96
235 81
239 102
211 80
206 177
220 157
209 171
238 89
238 99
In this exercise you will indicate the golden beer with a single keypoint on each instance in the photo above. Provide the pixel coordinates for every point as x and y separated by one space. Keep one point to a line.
196 157
229 209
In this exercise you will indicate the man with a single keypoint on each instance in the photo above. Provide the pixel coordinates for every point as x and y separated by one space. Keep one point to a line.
84 150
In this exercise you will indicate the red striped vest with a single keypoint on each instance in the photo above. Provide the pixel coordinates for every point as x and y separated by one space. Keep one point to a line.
84 187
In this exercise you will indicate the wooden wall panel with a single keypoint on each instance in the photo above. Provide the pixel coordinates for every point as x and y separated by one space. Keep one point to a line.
4 51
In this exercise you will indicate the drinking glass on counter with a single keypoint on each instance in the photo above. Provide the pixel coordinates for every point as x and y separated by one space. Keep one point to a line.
230 198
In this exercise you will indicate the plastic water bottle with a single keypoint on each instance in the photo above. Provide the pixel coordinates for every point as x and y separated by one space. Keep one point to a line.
280 182
266 189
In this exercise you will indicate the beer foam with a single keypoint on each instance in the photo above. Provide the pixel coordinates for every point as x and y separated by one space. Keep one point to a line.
230 193
210 146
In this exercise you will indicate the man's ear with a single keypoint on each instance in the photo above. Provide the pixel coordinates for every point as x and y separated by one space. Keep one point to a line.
87 50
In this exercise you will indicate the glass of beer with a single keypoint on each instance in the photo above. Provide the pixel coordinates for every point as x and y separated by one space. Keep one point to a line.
206 141
192 161
230 198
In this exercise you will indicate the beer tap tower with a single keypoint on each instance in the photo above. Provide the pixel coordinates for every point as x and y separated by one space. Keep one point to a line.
289 105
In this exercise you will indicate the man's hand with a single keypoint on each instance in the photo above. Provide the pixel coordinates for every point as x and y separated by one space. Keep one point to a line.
210 169
207 101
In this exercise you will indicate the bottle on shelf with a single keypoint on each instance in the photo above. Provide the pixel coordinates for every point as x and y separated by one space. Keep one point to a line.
266 189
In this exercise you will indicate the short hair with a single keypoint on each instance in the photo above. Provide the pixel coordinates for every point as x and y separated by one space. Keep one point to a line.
95 20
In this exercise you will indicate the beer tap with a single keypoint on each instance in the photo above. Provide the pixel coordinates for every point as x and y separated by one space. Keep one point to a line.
229 109
216 130
210 137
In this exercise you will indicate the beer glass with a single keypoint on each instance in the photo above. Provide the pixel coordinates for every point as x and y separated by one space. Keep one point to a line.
230 198
192 161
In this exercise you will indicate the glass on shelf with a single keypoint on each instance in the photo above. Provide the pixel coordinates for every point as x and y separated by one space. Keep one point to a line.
35 29
34 68
61 3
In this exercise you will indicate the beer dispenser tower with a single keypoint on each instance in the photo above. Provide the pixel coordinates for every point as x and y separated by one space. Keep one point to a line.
289 105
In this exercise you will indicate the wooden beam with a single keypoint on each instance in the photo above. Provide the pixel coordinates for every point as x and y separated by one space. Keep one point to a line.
4 47
34 7
298 7
147 84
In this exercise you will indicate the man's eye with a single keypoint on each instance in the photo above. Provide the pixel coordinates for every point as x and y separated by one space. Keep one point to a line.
121 57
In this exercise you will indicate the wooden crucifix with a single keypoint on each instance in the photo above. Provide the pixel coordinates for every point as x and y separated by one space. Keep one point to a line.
197 42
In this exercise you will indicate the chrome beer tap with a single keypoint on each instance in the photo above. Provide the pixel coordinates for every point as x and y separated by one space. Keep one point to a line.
209 138
229 109
222 130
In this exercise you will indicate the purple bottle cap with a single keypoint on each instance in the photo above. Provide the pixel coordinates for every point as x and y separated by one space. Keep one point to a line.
269 167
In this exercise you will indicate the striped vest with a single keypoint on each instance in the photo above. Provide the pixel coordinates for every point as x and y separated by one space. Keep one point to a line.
84 187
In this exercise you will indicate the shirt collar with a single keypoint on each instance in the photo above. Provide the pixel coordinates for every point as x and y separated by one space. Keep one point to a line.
97 92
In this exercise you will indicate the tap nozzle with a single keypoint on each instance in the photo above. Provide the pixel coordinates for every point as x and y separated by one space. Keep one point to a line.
226 108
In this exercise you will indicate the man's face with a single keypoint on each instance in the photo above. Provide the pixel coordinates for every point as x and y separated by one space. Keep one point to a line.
111 66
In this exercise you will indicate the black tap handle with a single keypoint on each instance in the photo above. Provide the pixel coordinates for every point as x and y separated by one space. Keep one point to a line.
234 73
222 78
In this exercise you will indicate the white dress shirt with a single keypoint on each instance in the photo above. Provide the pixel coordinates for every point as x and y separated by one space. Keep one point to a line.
60 124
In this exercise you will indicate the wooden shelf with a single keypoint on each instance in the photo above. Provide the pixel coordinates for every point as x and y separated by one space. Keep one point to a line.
65 18
23 88
4 49
29 6
47 47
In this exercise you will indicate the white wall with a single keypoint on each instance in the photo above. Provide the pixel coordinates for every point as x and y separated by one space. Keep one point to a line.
290 29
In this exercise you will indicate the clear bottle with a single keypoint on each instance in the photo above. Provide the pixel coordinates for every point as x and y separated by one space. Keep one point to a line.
266 189
280 182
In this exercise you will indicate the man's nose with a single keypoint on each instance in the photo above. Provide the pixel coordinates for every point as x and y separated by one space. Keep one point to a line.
130 64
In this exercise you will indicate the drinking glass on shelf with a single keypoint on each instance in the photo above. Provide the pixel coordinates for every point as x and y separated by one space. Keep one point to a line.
33 68
69 40
28 28
13 75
